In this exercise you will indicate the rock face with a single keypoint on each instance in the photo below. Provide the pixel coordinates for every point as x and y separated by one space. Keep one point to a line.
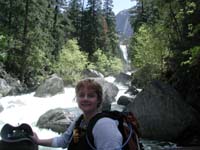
124 100
92 73
4 87
8 84
123 26
161 112
50 87
123 78
110 91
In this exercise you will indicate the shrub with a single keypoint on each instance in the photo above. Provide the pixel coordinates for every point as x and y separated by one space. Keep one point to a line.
71 62
106 64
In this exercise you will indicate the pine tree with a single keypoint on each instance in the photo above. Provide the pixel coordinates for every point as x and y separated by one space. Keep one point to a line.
34 31
75 15
91 27
111 36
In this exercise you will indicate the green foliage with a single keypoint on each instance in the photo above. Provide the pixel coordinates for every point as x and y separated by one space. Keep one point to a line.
35 31
116 65
37 59
145 75
71 62
36 62
180 31
110 41
194 55
101 61
75 15
149 47
106 64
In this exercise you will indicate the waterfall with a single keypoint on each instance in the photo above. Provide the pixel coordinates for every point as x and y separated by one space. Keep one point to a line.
124 51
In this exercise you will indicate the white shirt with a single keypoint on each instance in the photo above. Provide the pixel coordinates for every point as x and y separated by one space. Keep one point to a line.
105 132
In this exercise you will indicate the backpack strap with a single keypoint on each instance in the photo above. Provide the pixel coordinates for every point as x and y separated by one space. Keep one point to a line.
78 122
89 135
75 135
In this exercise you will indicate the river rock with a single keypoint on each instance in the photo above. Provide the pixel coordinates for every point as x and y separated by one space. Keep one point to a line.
132 90
91 73
123 78
5 88
161 112
57 120
110 91
11 85
50 87
125 100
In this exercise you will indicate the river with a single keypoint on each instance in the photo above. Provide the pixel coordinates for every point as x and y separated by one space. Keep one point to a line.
27 109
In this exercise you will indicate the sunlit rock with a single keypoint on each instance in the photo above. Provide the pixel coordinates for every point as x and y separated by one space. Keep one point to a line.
50 87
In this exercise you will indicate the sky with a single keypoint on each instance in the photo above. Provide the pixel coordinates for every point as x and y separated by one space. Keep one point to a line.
121 5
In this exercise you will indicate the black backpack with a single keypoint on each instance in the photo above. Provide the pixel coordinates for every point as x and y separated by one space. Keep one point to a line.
128 126
17 138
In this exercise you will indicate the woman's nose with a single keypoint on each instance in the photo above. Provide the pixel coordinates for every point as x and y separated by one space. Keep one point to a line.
85 97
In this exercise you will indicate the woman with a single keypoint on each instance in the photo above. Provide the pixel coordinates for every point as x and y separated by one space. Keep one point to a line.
105 132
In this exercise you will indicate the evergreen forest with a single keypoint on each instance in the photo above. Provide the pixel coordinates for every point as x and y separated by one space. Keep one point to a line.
42 37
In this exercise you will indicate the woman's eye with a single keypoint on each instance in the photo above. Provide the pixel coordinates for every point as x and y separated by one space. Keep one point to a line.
91 95
81 95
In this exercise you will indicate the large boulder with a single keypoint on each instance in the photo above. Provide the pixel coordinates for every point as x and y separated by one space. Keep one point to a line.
91 73
5 88
161 112
50 87
124 100
9 84
57 120
110 91
132 90
123 78
16 86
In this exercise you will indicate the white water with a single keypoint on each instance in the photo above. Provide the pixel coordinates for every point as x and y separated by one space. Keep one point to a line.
27 109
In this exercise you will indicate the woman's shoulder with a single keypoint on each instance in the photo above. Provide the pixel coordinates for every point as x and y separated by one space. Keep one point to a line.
106 128
106 121
103 119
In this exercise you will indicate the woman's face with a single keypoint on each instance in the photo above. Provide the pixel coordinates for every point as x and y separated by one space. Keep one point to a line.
87 100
